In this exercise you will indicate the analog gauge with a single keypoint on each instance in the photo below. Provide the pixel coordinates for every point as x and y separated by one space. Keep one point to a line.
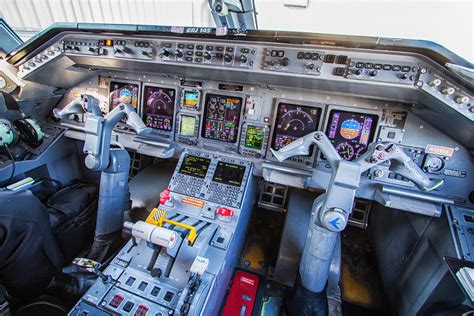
212 105
297 123
345 150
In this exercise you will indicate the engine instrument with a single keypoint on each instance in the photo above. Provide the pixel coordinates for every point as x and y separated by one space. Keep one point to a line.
221 118
158 107
294 121
351 132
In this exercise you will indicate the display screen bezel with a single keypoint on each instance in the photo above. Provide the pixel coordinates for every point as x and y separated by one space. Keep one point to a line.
205 161
229 180
205 112
294 103
143 106
124 82
182 99
374 128
196 123
264 130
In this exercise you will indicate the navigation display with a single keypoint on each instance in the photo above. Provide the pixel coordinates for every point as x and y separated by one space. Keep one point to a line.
221 118
123 92
158 107
195 166
254 137
228 173
190 100
351 132
292 122
188 125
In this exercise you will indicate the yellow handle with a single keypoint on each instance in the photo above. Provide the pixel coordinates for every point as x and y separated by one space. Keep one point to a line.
157 217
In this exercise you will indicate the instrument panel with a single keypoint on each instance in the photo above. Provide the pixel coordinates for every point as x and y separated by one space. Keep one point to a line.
243 97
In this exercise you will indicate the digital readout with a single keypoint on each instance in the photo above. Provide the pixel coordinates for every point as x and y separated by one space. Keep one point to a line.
228 173
187 126
254 137
195 166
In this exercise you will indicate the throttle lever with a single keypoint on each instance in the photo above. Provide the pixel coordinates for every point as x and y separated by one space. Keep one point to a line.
400 163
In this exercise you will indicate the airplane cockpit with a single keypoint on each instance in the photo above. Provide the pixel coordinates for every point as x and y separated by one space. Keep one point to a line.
172 170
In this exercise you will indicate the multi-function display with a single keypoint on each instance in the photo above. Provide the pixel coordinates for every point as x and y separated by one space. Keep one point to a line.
221 118
158 107
190 99
351 132
123 92
195 166
254 137
292 122
228 173
187 125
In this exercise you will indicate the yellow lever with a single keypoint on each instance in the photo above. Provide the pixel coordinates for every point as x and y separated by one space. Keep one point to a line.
157 217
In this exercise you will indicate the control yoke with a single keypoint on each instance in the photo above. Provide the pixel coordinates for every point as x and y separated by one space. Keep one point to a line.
346 174
86 103
99 132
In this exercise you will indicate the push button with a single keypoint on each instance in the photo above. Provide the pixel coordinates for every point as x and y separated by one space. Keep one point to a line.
116 300
141 310
128 306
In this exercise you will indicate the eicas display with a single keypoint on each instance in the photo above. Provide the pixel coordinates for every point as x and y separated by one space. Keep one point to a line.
158 107
221 118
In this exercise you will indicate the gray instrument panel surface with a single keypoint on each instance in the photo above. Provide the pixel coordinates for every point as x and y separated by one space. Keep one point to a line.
402 77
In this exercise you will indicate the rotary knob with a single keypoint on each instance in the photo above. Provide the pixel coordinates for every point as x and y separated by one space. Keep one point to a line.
309 66
448 90
207 56
228 58
165 52
285 62
243 59
461 99
178 53
435 83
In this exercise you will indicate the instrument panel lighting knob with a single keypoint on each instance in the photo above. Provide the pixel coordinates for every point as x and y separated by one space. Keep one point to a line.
461 99
448 91
285 61
435 82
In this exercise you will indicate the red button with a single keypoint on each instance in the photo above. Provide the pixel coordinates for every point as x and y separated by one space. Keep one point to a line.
165 196
223 211
141 310
116 300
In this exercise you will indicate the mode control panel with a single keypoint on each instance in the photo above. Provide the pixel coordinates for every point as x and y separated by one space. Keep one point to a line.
402 73
293 60
238 56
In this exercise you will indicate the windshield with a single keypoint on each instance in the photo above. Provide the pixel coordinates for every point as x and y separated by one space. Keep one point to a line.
447 22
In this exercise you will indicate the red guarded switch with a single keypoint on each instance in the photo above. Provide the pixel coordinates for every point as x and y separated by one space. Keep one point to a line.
224 211
165 196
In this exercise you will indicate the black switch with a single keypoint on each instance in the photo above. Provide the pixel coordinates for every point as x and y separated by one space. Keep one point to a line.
155 291
329 58
130 281
339 71
142 286
168 296
128 306
341 59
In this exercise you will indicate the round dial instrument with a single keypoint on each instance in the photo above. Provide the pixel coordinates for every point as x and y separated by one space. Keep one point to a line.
345 150
296 123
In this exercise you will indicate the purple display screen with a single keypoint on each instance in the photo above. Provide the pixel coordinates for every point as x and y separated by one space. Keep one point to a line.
351 132
158 107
